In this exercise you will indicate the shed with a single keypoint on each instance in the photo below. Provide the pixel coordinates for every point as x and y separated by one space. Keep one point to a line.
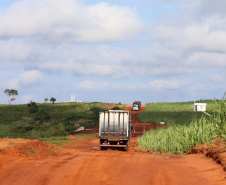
200 107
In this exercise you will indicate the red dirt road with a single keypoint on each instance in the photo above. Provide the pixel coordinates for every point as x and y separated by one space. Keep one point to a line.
85 164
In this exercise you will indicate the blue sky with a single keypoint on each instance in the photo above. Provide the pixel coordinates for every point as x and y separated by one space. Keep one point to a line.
113 51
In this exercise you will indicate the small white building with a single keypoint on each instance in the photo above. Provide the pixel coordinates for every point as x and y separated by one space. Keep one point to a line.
200 107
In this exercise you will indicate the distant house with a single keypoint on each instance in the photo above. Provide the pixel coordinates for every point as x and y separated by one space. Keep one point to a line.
200 107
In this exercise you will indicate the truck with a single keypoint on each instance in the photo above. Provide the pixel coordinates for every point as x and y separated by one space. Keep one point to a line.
114 129
136 105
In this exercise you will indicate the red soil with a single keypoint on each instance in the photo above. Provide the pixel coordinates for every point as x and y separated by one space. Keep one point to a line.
83 163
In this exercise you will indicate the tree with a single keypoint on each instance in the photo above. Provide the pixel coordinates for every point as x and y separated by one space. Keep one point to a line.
52 99
11 93
46 99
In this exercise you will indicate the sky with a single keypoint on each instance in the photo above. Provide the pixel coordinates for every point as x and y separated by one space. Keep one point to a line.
113 51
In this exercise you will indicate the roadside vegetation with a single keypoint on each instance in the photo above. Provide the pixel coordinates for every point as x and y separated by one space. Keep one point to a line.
185 128
46 120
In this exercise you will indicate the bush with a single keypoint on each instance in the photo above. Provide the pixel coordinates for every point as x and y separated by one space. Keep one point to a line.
32 107
96 109
42 116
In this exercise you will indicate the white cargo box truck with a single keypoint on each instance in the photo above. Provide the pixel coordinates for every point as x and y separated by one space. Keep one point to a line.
114 129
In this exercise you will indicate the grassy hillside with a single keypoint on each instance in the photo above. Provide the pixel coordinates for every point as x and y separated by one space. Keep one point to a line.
16 121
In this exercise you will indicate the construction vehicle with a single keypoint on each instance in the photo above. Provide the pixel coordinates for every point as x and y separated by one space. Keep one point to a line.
136 105
114 129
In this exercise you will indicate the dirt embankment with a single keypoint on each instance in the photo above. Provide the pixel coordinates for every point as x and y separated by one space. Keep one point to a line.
31 148
215 150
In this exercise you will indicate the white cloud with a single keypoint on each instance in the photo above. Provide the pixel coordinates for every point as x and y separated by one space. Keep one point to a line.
215 78
11 84
199 26
27 98
23 79
91 85
196 36
212 8
29 77
205 60
69 20
129 86
14 49
160 85
173 53
170 85
82 68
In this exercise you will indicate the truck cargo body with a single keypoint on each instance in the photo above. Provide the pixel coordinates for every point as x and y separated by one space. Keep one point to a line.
136 105
114 129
